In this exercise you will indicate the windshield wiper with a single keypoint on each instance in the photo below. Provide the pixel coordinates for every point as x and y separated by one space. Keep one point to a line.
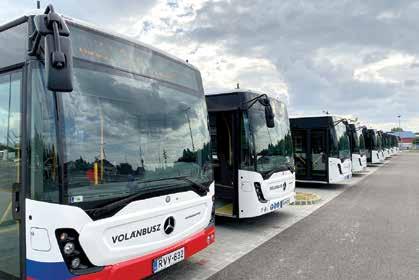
280 169
120 203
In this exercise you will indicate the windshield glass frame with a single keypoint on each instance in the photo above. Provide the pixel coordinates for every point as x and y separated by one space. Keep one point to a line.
62 187
267 156
340 143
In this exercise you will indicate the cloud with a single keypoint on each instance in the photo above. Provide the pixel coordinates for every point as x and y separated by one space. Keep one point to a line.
352 57
355 58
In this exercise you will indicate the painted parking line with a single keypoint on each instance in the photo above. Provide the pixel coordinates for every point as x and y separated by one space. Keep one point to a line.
8 229
234 238
5 190
4 216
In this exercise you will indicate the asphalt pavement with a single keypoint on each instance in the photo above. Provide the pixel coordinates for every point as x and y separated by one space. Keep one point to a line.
370 231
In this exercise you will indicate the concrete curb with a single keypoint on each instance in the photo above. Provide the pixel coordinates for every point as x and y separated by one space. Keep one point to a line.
306 199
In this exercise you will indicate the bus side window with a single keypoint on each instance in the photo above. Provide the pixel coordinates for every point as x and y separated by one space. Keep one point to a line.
10 116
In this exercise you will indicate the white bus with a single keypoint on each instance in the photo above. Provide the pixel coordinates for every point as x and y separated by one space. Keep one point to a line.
321 149
252 153
358 150
373 145
105 185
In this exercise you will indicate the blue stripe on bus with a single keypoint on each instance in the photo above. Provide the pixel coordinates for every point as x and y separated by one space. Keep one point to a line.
47 271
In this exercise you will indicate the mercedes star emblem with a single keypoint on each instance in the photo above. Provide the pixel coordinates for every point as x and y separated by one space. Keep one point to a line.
169 225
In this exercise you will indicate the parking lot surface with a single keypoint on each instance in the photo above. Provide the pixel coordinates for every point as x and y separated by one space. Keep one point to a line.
247 249
371 231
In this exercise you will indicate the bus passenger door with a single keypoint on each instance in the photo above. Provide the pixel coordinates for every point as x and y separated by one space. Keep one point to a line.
222 139
300 153
319 160
10 160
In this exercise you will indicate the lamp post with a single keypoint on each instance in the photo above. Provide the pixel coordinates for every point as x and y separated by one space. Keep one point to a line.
399 116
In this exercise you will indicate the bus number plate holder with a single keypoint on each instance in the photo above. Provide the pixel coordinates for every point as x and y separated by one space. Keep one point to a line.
169 259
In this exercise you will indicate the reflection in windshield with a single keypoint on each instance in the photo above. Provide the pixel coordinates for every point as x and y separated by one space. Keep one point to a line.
340 141
356 140
361 141
379 142
273 146
121 130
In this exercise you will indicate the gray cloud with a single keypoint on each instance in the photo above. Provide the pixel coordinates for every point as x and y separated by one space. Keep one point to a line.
316 47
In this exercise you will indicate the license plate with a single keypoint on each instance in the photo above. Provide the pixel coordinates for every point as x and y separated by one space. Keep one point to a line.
169 259
285 202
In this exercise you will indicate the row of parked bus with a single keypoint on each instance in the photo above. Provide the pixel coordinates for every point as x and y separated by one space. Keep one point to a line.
114 162
329 149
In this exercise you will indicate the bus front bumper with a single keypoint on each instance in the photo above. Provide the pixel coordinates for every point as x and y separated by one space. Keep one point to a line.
143 266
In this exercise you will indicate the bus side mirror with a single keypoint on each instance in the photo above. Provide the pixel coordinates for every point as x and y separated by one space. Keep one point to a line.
269 116
57 50
58 64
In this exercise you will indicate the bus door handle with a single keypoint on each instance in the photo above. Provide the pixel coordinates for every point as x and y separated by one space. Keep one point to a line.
16 201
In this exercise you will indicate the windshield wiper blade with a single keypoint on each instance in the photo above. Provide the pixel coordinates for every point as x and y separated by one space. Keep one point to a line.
271 172
199 186
116 205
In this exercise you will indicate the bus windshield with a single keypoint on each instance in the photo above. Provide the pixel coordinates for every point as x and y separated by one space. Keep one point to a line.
119 133
273 146
379 142
361 141
340 141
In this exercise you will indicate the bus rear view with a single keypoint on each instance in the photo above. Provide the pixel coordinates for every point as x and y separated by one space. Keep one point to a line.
101 182
252 153
321 149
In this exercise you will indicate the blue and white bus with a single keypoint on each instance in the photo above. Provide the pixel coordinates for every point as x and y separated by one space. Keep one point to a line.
97 180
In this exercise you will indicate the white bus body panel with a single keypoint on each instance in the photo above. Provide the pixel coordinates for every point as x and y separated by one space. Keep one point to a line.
387 153
382 156
359 163
272 189
101 239
335 175
376 157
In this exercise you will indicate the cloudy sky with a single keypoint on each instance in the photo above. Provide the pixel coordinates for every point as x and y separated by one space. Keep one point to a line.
350 57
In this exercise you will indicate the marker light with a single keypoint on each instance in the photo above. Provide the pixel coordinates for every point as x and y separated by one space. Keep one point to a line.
75 263
63 236
69 248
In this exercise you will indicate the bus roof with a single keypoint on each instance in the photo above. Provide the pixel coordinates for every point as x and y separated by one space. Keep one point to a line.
312 122
231 91
230 100
103 31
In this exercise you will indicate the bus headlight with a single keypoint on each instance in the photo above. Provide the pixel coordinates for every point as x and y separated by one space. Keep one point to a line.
72 252
69 248
75 263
